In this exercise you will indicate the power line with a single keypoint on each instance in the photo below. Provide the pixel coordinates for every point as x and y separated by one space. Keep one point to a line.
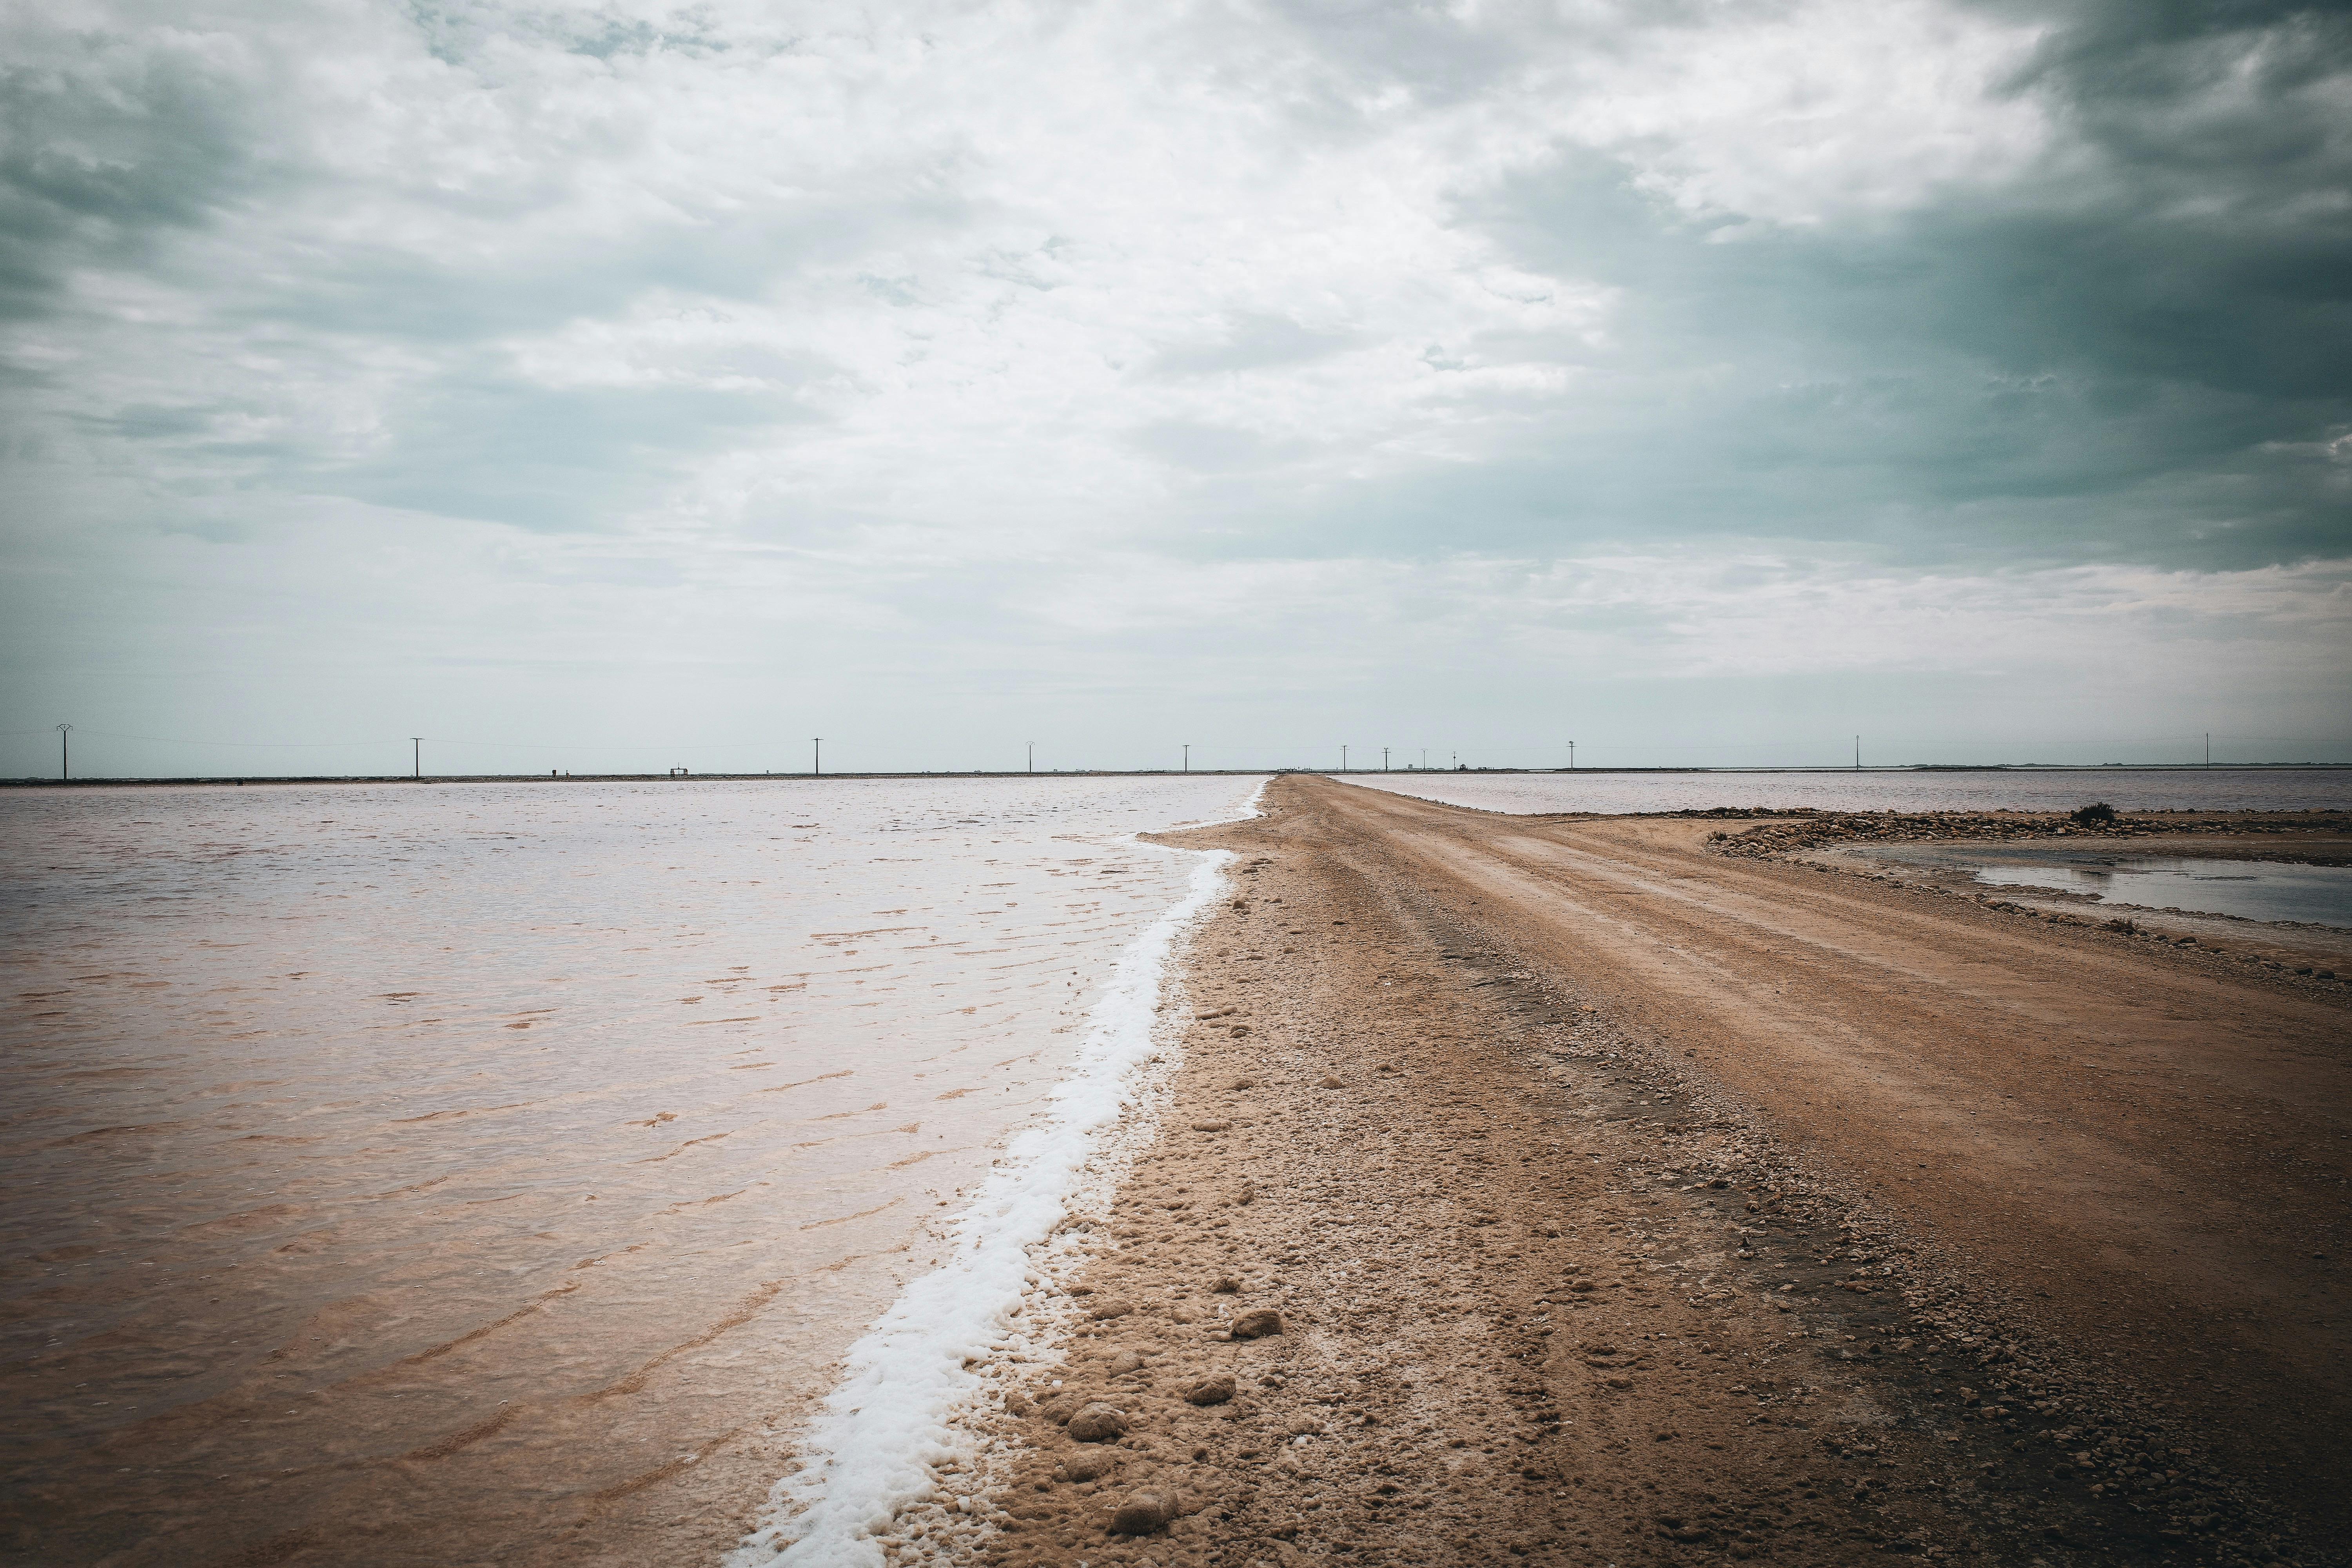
175 741
437 739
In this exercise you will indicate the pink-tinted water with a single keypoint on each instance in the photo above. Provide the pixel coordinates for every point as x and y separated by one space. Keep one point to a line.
471 1173
2037 789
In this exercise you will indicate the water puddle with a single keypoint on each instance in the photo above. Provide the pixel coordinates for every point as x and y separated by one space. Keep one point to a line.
2250 890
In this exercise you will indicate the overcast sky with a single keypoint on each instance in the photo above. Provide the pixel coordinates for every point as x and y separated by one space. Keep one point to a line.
630 385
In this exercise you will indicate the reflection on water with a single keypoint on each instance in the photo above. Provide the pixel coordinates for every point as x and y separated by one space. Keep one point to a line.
457 1172
2252 890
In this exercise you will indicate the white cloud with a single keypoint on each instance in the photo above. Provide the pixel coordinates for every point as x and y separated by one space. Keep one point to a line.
852 341
958 234
1816 110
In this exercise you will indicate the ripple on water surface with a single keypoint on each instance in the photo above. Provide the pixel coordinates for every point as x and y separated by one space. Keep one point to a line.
396 1170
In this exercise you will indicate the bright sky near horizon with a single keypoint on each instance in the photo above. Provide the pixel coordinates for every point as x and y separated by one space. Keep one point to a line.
626 386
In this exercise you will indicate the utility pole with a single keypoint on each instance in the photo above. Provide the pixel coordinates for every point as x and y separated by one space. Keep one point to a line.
65 759
816 763
1857 754
1425 759
1384 759
1343 759
1571 756
416 756
1033 756
2209 748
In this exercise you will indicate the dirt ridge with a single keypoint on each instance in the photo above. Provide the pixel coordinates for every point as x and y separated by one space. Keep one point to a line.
1559 1281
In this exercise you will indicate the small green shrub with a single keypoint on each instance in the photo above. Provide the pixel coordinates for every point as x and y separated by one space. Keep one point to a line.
2094 816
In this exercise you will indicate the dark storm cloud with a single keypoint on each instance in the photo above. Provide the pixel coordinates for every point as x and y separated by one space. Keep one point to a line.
2137 351
102 151
2212 240
1992 372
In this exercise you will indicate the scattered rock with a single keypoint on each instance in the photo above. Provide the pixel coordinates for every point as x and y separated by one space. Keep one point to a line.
1107 1310
1090 1465
1209 1391
1018 1404
1143 1512
1256 1457
1240 1029
1258 1325
1062 1406
1097 1423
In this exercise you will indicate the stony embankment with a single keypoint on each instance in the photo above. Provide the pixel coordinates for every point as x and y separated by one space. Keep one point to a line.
1803 829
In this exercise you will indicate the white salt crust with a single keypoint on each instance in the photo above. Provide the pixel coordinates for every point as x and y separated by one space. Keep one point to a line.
871 1461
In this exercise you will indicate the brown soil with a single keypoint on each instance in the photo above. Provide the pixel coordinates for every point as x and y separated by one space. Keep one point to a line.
1625 1201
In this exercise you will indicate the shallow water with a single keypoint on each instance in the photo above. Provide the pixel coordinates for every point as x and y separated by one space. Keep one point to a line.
2126 789
437 1174
2250 890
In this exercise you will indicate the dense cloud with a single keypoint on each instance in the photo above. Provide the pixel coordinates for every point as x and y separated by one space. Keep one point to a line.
472 338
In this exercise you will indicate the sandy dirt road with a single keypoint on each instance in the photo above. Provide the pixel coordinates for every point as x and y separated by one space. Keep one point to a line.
1623 1201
